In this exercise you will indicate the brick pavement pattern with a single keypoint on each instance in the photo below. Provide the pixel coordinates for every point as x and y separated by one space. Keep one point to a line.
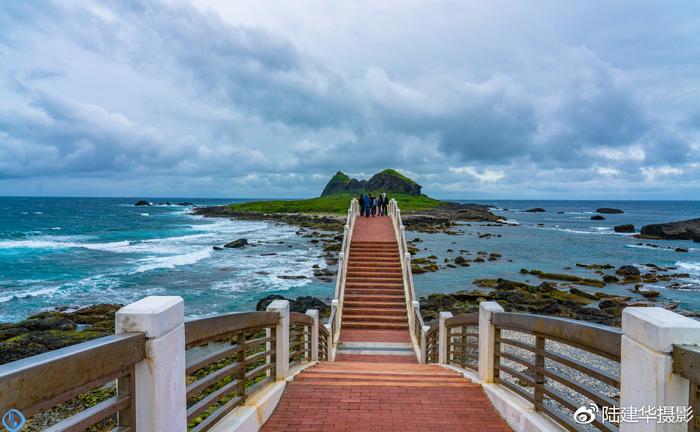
387 397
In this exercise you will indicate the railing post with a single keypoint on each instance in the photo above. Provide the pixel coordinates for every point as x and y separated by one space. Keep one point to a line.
487 339
443 343
646 374
313 313
160 397
281 337
336 329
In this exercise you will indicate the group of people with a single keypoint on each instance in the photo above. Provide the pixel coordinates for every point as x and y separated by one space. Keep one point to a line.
371 205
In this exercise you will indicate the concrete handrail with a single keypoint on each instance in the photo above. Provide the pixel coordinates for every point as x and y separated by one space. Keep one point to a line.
343 257
407 274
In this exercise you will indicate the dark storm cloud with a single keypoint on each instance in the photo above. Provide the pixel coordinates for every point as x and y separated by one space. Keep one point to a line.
166 89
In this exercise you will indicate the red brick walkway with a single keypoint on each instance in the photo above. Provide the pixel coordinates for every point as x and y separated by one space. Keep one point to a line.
374 306
385 397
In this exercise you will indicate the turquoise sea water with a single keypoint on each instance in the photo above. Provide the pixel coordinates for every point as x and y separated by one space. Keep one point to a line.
79 251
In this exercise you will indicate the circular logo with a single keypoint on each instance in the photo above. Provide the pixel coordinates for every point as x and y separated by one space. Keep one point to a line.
586 414
13 420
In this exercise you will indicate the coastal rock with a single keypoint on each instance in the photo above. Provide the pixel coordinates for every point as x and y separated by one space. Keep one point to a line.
627 271
610 279
679 249
597 217
624 228
460 260
239 243
142 203
536 210
515 296
217 248
301 304
608 210
682 230
55 329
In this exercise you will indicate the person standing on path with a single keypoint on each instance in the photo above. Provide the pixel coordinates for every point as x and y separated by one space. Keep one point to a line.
367 205
361 201
385 204
373 204
380 203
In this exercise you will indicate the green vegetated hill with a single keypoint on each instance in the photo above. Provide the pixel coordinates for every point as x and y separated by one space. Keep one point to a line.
341 188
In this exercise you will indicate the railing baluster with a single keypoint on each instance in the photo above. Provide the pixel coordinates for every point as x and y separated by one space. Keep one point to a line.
240 340
539 372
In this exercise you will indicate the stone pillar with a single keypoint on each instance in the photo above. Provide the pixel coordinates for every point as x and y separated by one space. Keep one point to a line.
160 398
646 368
281 337
487 339
442 337
335 303
313 313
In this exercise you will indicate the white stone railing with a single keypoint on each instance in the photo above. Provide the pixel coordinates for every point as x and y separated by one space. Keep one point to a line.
335 319
409 290
233 368
652 356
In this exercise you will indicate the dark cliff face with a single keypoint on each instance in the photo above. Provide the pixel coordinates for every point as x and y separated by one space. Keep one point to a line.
386 181
391 183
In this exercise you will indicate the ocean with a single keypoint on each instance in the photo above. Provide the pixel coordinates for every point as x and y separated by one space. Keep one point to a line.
80 251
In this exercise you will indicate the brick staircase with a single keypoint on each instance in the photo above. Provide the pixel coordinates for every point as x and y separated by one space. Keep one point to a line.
374 397
374 294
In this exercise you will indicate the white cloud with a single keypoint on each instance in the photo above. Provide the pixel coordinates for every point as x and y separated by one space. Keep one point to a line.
485 176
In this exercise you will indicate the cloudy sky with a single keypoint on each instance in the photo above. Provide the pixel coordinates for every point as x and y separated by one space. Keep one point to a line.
474 99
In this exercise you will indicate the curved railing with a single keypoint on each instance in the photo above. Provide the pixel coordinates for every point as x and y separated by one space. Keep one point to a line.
336 316
463 340
299 338
432 344
323 339
229 358
686 363
41 382
558 364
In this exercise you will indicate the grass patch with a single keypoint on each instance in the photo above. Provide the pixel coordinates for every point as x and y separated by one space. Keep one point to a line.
337 203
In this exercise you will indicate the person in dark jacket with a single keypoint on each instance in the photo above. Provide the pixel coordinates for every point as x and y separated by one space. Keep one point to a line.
385 204
367 205
361 201
380 205
373 204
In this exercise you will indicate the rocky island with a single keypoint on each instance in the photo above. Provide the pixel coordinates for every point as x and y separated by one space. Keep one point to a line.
327 212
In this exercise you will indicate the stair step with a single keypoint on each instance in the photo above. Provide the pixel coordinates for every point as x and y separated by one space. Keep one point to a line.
371 291
374 326
374 280
379 377
350 302
354 311
360 284
374 318
372 242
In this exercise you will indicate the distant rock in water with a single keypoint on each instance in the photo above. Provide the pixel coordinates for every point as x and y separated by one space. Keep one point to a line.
681 230
142 203
536 210
241 242
389 180
627 270
608 210
597 217
624 228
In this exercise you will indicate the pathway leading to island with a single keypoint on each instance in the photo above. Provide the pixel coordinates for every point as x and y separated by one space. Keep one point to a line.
372 385
374 324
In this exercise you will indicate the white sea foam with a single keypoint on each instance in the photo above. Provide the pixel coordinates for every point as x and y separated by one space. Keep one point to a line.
690 267
168 262
48 291
144 214
58 243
